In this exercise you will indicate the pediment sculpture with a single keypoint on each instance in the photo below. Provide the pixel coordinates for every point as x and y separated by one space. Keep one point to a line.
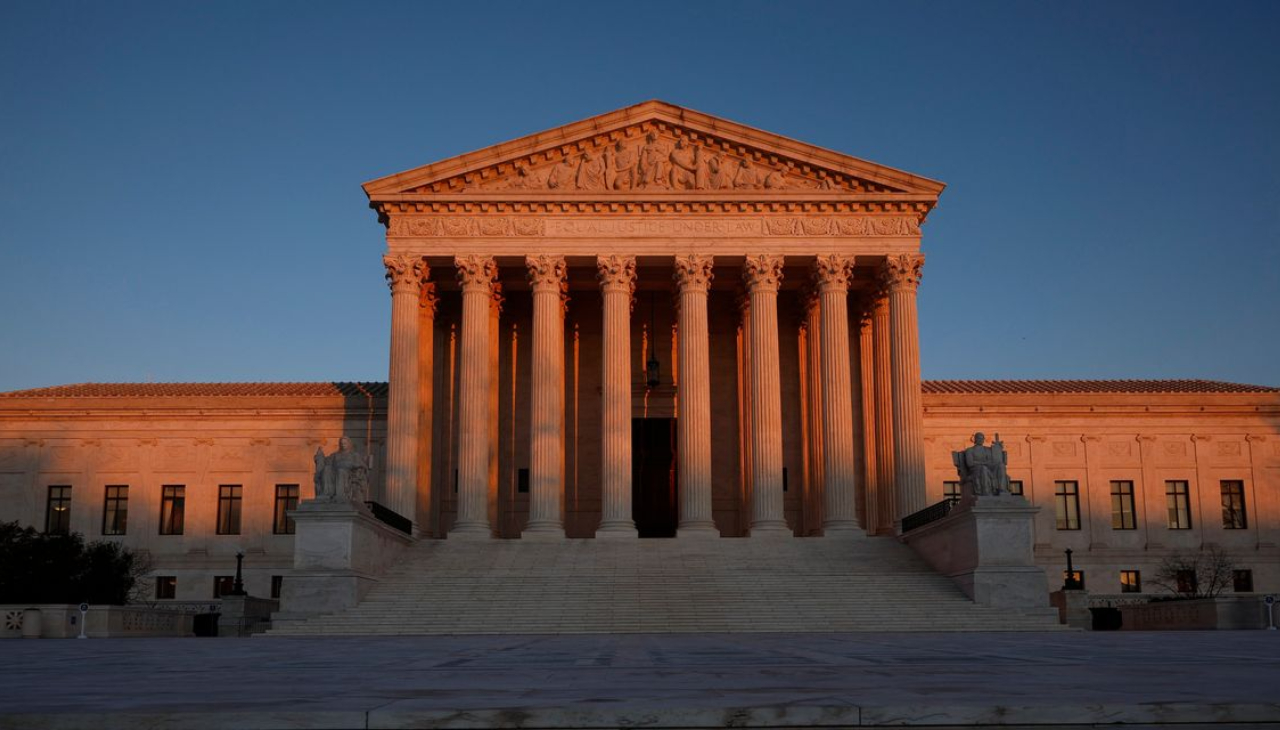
342 476
983 470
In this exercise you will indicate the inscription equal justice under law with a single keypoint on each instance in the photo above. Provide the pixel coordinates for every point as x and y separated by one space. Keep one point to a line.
764 226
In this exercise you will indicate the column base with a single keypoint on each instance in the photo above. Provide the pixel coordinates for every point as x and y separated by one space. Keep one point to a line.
470 532
771 529
543 531
843 530
698 531
617 530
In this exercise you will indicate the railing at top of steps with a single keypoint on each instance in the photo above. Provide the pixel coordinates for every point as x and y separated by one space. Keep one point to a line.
932 513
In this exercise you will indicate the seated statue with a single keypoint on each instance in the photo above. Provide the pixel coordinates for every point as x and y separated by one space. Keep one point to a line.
342 476
983 469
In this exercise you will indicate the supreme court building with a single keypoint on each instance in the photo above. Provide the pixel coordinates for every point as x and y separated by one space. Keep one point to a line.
651 323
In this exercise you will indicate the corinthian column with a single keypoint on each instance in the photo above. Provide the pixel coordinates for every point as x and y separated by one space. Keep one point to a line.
762 273
901 275
617 283
870 475
476 275
546 425
405 275
888 503
832 274
693 275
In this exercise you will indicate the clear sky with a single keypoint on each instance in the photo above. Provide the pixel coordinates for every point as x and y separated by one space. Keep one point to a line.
180 200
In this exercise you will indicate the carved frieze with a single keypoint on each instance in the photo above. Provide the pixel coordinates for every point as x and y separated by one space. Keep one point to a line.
463 226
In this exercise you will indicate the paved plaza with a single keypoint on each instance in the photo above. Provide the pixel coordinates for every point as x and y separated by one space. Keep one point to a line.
655 681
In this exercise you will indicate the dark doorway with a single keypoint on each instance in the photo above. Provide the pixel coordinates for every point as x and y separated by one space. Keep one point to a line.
653 476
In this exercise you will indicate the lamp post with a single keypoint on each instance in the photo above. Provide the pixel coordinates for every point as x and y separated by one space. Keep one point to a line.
237 588
1070 584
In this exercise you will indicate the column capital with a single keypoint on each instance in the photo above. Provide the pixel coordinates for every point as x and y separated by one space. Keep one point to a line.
427 297
762 272
405 273
476 273
832 272
546 272
693 272
617 273
902 271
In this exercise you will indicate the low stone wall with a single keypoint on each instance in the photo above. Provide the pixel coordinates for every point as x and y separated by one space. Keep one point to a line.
1223 612
245 615
985 546
62 621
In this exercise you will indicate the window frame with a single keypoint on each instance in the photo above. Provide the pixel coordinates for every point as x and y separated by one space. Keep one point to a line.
281 522
1242 576
1020 490
1120 499
170 583
230 509
952 492
1133 586
223 581
1178 503
115 505
1229 511
58 503
173 509
1066 499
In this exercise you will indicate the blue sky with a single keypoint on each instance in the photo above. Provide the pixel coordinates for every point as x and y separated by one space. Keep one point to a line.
180 200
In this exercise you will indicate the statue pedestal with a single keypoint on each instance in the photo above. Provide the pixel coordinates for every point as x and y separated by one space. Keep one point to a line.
985 546
339 551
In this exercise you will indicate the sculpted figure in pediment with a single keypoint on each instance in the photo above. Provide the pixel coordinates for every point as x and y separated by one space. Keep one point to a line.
719 172
684 166
776 180
620 167
525 179
747 177
591 173
652 164
562 175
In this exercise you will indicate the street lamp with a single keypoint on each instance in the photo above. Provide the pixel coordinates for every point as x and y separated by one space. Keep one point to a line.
237 588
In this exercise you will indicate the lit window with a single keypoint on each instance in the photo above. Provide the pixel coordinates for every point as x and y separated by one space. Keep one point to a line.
1015 487
1178 499
57 514
1233 515
173 499
1242 581
286 501
115 510
951 492
1074 575
166 587
1122 517
229 509
223 585
1130 581
1066 497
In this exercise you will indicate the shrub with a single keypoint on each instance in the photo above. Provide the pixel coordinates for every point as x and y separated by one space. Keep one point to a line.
40 568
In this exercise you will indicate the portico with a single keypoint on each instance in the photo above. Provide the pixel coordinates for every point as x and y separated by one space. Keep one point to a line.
653 263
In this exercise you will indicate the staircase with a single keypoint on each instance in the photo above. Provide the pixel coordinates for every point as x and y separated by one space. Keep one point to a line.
664 586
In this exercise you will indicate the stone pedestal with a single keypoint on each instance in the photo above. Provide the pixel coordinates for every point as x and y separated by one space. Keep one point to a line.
1073 608
985 546
339 551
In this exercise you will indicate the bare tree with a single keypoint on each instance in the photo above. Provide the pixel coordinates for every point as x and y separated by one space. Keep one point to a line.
1203 574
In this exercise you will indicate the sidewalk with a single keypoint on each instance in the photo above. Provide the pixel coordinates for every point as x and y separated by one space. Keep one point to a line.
654 681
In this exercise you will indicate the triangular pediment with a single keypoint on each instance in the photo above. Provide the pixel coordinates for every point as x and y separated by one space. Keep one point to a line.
652 149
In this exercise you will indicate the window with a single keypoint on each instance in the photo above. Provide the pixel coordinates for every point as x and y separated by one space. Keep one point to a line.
229 509
951 492
57 513
1015 487
1178 499
1122 506
277 582
1242 581
166 587
173 498
1074 575
1186 580
522 481
286 500
223 585
1066 497
115 510
1233 517
1130 581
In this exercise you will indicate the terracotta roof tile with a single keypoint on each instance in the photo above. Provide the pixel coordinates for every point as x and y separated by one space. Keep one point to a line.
201 390
1059 387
